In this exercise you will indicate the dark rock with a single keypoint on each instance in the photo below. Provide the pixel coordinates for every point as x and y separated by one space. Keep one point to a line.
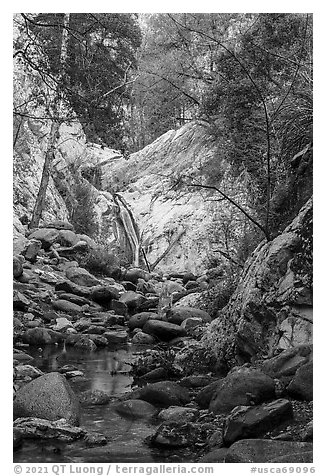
99 330
174 435
129 286
70 287
217 455
44 429
301 386
143 339
175 413
288 361
302 457
135 409
133 274
93 438
156 374
20 302
41 336
204 397
66 306
17 267
67 238
116 337
32 250
79 300
99 340
139 320
85 342
263 451
192 322
81 277
195 381
164 393
47 236
94 397
49 396
104 294
307 434
188 277
251 422
119 307
191 285
22 356
243 386
165 331
177 315
132 300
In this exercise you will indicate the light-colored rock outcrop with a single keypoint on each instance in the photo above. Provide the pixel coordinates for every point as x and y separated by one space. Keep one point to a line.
271 309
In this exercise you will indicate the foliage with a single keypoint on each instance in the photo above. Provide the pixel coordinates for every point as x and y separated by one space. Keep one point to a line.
83 215
100 64
100 262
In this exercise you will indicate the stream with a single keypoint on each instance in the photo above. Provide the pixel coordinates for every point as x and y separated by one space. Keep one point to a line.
107 371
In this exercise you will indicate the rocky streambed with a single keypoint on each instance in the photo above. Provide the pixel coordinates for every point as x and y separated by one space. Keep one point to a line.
106 369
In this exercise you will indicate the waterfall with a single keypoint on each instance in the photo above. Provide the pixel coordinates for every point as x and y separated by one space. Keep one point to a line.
129 226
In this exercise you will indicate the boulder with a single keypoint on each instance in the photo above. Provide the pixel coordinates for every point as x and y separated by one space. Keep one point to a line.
47 236
174 434
80 300
301 386
104 294
39 428
84 342
135 409
32 249
20 302
288 361
94 397
66 306
263 451
116 337
164 393
41 336
70 287
177 315
196 381
191 322
18 266
216 455
133 274
67 238
251 422
132 300
140 319
176 413
243 386
164 331
81 277
302 457
23 371
50 397
143 339
62 324
119 308
99 341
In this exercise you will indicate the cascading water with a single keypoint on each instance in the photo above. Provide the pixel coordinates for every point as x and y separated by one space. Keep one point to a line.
129 226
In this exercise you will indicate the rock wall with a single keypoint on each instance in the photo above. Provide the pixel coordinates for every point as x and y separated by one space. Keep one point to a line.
271 309
173 223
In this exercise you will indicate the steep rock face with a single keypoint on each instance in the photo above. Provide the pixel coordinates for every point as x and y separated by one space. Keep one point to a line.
173 223
271 309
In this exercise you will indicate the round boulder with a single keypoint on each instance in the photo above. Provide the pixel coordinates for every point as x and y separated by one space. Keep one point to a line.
164 331
81 277
50 397
135 409
177 315
140 319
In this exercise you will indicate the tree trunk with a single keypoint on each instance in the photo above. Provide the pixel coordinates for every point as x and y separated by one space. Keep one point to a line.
57 109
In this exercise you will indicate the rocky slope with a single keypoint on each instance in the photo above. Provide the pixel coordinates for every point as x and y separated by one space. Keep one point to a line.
271 308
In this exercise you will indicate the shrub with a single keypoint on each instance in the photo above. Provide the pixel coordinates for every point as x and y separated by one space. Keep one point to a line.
100 262
83 215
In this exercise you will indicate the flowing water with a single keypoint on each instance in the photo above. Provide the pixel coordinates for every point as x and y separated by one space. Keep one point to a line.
108 371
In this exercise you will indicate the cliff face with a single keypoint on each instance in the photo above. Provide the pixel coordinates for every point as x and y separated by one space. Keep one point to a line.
174 224
271 309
